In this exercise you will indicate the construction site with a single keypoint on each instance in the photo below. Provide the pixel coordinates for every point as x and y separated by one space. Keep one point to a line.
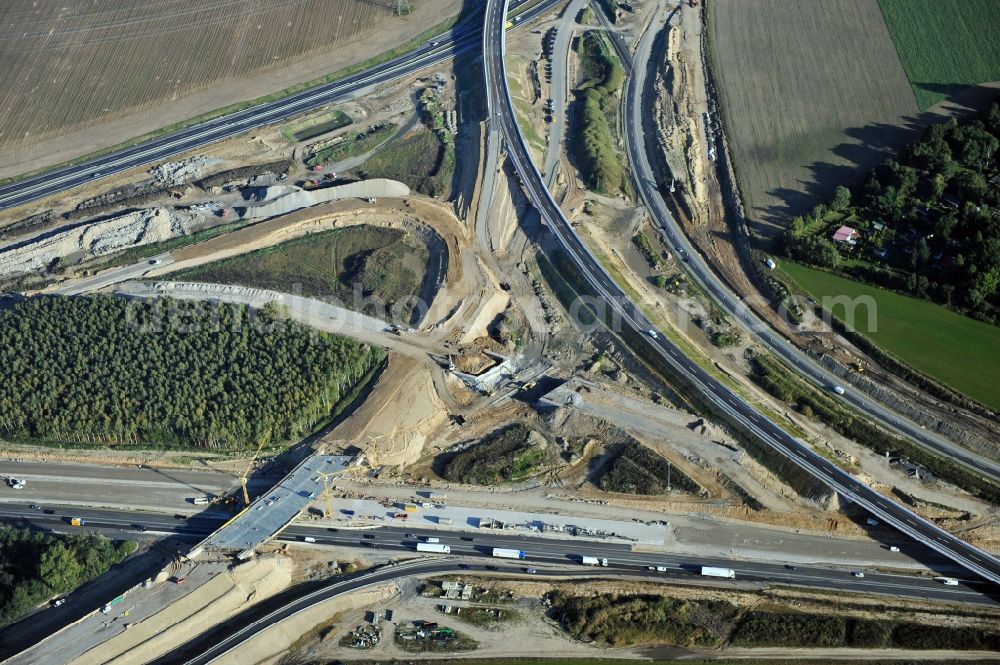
500 408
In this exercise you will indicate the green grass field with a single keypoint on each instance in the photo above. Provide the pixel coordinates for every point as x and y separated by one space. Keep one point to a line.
808 89
387 266
955 350
945 44
421 160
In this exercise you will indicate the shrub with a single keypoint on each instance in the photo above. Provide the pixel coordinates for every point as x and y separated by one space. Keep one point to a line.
638 470
507 454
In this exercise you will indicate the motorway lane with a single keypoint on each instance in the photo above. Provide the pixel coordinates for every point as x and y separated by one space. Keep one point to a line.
461 39
729 404
539 550
699 269
114 275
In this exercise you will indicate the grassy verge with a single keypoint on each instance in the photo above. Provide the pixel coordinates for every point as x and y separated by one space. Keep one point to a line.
645 247
638 470
953 349
359 144
626 619
781 383
337 120
593 143
618 661
239 106
384 266
507 455
423 161
141 252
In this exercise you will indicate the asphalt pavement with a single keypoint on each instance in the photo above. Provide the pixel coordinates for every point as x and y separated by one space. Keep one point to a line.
538 550
637 99
724 401
461 39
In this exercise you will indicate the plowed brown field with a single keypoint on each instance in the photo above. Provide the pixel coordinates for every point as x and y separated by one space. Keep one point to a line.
77 64
812 92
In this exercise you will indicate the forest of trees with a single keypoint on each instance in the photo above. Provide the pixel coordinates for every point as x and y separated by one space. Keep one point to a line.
940 205
102 370
36 566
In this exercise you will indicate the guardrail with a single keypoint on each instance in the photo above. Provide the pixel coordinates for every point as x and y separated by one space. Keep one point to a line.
719 396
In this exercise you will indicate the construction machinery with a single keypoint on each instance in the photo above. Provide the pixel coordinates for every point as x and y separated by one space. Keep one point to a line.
243 478
328 491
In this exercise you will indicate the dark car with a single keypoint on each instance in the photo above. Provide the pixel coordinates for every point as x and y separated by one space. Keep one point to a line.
331 529
789 566
178 516
138 527
49 511
463 566
369 536
491 568
467 538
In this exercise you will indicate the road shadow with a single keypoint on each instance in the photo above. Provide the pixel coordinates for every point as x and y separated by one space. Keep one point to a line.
36 626
866 146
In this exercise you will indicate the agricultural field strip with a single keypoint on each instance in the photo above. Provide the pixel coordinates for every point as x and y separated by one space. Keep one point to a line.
726 402
747 319
230 125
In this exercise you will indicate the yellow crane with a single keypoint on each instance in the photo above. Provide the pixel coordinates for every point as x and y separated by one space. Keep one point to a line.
327 491
243 478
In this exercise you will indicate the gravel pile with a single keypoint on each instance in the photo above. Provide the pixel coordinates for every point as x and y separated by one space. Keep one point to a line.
140 227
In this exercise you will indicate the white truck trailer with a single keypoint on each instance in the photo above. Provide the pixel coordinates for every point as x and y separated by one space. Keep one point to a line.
593 561
710 571
437 548
507 554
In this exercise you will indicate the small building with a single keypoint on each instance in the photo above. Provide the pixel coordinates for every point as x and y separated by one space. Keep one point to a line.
878 226
770 263
846 234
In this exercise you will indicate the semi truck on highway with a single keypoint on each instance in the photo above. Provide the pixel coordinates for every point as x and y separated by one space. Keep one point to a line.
710 571
507 554
593 561
437 548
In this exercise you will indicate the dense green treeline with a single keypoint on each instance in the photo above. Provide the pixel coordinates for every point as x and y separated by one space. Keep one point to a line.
622 619
593 144
102 370
35 566
926 221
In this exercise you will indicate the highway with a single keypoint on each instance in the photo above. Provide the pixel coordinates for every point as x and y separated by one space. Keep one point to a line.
462 38
724 401
801 362
539 550
418 567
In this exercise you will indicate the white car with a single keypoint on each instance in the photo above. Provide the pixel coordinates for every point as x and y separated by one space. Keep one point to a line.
839 390
858 574
652 334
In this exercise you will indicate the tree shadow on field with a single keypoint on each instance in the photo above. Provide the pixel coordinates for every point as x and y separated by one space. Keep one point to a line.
865 148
